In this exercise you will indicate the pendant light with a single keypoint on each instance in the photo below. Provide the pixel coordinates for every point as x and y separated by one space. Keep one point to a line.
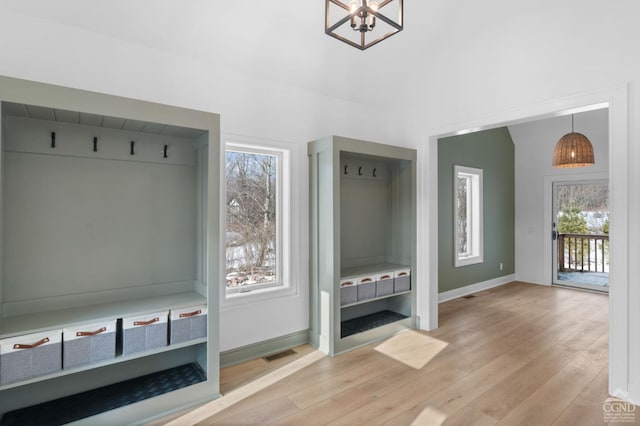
573 150
363 23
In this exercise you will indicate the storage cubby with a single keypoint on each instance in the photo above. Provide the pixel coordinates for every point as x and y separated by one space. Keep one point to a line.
363 242
109 215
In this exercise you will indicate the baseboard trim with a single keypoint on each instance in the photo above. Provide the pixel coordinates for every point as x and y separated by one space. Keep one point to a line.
474 288
260 349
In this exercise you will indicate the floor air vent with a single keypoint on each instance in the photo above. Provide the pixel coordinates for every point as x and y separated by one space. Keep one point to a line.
279 355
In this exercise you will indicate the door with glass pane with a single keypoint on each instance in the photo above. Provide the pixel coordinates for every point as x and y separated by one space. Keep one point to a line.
580 235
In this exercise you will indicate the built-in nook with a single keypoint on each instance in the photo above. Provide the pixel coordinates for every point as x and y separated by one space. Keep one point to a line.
109 222
362 242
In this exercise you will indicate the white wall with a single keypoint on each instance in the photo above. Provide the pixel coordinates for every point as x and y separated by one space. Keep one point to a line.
534 143
249 105
41 50
492 62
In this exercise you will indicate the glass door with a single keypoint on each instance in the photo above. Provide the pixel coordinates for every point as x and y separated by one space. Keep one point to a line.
580 235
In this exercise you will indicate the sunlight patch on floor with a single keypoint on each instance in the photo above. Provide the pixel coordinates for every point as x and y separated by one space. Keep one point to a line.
430 417
243 392
412 348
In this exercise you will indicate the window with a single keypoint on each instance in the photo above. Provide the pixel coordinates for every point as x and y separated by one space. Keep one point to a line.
467 195
255 219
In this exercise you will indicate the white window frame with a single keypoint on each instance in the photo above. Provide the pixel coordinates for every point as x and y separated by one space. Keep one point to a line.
284 285
475 223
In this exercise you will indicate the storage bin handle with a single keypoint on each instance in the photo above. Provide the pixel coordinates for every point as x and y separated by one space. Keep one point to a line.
190 314
90 333
35 345
151 321
346 284
385 277
402 274
366 280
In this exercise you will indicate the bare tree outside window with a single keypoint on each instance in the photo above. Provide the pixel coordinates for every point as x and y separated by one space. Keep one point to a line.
463 221
251 226
467 215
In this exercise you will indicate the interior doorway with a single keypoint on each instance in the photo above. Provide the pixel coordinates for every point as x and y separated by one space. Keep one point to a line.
616 99
580 236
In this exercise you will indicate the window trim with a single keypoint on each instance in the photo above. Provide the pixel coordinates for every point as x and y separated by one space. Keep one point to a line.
476 233
284 284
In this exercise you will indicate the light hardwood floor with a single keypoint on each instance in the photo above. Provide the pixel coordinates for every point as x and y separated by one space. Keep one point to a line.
516 354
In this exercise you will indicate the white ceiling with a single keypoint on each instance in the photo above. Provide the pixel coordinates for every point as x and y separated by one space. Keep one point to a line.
448 49
278 40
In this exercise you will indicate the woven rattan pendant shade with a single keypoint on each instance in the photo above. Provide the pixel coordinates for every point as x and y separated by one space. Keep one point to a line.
573 150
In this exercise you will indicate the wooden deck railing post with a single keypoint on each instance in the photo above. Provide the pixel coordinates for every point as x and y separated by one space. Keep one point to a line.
561 266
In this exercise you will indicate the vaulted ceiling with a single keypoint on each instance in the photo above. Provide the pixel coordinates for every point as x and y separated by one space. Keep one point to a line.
278 40
467 51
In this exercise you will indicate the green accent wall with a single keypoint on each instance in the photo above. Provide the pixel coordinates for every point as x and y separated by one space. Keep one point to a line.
493 152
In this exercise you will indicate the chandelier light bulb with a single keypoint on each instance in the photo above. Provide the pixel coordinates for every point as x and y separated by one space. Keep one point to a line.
354 6
353 9
373 5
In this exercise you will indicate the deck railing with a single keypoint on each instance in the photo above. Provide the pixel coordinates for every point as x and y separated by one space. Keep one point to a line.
583 253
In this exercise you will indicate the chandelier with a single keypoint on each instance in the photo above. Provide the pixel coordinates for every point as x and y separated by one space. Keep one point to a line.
362 23
573 150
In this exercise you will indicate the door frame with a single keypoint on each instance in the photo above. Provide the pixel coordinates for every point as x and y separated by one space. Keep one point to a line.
616 98
549 181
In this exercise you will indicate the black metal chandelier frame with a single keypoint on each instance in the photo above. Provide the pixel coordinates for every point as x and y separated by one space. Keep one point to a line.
362 13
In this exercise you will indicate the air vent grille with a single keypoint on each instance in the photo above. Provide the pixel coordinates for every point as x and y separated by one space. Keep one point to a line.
279 355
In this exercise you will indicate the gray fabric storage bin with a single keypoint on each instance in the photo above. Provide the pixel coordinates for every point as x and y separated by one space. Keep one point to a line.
402 281
88 344
384 284
348 291
187 324
366 287
145 332
29 356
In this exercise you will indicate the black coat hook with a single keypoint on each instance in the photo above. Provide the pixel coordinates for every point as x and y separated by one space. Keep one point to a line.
164 152
133 143
53 139
95 144
360 171
374 172
345 169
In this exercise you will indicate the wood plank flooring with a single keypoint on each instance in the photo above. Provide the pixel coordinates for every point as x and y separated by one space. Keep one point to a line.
519 354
